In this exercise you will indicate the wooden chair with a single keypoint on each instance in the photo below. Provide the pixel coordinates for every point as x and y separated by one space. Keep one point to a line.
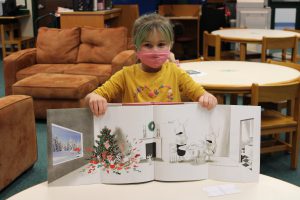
296 31
284 44
11 35
186 20
282 105
210 40
286 64
274 122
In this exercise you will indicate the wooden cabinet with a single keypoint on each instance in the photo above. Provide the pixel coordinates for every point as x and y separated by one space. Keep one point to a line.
186 20
99 19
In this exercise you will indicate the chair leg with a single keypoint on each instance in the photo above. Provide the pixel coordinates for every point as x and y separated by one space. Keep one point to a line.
3 50
233 99
220 98
295 150
288 138
28 44
12 48
19 46
283 56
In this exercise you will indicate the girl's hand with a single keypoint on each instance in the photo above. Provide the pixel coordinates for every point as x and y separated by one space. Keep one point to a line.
208 100
97 103
172 59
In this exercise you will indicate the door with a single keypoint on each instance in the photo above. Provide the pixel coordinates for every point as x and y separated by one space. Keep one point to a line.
285 14
43 12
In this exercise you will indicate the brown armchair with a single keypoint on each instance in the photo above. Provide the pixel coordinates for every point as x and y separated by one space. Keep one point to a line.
17 137
66 65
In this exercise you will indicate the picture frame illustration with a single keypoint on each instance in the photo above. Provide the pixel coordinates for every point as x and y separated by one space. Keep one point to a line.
67 144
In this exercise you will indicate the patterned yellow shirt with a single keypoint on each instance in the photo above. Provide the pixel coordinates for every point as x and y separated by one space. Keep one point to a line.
135 85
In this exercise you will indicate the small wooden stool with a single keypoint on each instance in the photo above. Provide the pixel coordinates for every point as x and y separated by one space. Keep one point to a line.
57 90
14 38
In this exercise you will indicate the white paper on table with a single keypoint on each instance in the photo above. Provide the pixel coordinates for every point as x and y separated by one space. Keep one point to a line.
195 73
219 190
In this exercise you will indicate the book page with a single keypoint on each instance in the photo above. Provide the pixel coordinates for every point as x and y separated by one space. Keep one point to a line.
122 144
184 130
70 135
242 163
221 144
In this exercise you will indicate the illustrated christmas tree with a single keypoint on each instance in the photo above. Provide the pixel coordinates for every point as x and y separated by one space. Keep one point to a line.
106 148
109 156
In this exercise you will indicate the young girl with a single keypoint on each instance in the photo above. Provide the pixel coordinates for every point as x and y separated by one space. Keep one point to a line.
154 79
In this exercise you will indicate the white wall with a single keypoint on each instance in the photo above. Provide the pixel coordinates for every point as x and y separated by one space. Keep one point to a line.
27 23
21 2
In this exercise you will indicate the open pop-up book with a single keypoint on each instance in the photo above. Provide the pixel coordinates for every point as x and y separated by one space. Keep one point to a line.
140 143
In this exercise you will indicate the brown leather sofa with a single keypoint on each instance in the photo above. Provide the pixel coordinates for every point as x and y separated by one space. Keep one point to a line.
17 137
66 65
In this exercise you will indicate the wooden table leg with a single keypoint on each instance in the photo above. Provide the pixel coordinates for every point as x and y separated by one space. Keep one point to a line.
243 50
233 99
3 39
220 98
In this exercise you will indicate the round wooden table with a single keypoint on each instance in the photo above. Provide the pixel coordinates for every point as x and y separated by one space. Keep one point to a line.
244 36
266 188
238 76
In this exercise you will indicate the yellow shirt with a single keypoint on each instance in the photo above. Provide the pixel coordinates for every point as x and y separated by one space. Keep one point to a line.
135 85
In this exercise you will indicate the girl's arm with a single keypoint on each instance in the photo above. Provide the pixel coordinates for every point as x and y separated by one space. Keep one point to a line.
195 91
97 100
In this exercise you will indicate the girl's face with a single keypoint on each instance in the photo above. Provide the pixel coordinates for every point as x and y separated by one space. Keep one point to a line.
155 42
154 51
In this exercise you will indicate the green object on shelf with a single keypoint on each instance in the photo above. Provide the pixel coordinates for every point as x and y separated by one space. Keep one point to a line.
23 12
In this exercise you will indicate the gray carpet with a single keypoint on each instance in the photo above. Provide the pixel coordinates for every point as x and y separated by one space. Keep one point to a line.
276 165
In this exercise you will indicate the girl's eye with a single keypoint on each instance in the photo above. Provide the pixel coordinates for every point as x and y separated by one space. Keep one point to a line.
148 45
162 44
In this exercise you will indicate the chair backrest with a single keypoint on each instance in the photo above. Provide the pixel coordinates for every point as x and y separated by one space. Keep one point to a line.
293 30
275 93
210 40
286 64
130 12
12 30
283 43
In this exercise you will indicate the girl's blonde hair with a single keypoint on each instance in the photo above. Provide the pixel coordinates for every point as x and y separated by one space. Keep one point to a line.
148 23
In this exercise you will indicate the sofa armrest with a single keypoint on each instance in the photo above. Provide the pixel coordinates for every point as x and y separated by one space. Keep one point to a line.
18 137
15 62
125 58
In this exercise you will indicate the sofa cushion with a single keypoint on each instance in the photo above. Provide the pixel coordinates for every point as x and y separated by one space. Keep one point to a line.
101 71
56 86
57 45
42 68
101 45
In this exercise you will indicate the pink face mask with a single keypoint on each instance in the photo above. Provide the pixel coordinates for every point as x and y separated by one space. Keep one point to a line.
153 59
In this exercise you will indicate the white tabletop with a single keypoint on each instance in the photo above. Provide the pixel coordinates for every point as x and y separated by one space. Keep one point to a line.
266 188
232 74
253 34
